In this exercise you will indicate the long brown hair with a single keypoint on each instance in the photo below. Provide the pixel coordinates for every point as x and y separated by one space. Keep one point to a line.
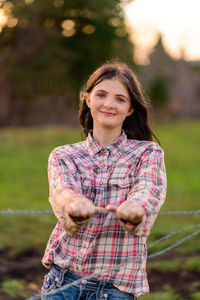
137 125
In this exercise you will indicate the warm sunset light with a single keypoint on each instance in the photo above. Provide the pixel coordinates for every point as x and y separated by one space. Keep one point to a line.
177 20
3 19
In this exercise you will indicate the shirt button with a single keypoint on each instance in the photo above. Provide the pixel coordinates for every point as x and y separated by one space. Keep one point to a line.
104 151
90 225
103 165
84 245
76 268
101 182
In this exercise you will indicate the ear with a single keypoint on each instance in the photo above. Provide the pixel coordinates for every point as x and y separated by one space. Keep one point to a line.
130 111
88 101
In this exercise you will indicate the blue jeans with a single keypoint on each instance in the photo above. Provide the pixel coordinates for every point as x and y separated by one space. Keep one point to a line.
91 289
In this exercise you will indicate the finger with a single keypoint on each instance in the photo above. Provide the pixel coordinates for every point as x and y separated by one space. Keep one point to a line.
78 219
111 207
82 210
127 223
122 213
85 213
129 227
99 209
73 210
69 225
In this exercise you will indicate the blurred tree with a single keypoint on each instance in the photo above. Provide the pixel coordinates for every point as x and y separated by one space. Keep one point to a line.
51 46
159 91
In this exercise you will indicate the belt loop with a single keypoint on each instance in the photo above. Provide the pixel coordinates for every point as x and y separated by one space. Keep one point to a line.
105 295
63 272
106 280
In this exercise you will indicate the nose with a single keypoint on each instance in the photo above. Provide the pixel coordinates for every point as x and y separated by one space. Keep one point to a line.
109 103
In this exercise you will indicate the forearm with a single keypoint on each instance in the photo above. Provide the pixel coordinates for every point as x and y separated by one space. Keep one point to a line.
60 198
72 209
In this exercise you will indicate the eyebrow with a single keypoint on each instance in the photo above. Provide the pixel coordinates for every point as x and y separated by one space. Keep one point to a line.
121 95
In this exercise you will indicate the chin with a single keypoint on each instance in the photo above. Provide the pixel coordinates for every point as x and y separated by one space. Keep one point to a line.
109 125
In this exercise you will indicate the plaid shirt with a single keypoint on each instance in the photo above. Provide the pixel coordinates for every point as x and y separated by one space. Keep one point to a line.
126 170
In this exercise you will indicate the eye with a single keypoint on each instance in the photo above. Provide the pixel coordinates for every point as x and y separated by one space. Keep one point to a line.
100 95
120 99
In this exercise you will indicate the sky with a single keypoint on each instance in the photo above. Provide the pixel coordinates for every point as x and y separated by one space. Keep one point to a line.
177 20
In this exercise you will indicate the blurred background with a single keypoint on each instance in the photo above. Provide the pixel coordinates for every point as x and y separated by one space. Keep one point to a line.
48 48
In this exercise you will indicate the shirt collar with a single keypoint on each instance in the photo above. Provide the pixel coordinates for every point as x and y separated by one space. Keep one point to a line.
117 147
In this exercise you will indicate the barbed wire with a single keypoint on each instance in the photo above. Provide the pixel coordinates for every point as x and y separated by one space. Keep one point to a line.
66 286
174 245
166 237
192 212
12 212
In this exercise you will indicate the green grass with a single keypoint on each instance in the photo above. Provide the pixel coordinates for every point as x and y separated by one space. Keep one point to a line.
181 143
15 288
23 182
187 263
166 294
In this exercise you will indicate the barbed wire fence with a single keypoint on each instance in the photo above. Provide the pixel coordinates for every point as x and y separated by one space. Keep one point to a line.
166 237
12 212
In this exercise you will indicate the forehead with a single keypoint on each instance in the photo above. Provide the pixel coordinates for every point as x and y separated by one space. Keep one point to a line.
113 85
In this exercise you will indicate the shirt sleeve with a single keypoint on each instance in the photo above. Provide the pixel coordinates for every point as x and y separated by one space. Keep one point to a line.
149 189
62 183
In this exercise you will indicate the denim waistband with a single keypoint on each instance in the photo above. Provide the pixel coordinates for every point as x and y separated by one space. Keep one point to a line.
92 283
70 276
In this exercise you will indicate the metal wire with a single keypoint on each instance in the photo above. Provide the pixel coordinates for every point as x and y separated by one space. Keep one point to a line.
174 245
195 212
12 212
166 237
37 296
192 212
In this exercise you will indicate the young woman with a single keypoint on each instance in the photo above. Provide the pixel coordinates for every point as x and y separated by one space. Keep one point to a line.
106 193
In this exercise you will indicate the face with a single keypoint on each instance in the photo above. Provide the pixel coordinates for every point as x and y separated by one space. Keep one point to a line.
109 104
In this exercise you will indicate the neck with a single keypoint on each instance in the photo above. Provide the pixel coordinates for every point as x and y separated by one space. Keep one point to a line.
104 137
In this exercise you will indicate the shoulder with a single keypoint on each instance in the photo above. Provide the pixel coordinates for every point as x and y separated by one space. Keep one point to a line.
140 148
69 150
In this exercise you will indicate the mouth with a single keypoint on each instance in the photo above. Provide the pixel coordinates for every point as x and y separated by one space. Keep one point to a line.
106 113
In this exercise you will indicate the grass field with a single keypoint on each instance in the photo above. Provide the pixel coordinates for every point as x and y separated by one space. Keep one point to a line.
23 182
23 185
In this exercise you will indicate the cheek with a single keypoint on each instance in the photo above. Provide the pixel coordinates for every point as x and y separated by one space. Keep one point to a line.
93 109
94 105
125 111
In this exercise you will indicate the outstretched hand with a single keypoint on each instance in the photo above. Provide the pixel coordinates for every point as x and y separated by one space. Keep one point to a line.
128 212
80 209
76 212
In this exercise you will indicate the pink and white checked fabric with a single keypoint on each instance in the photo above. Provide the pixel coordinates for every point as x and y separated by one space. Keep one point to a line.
126 170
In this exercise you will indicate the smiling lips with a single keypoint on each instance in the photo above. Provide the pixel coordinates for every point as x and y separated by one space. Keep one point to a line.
108 113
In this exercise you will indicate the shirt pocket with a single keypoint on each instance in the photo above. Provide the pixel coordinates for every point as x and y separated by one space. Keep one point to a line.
119 182
118 189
